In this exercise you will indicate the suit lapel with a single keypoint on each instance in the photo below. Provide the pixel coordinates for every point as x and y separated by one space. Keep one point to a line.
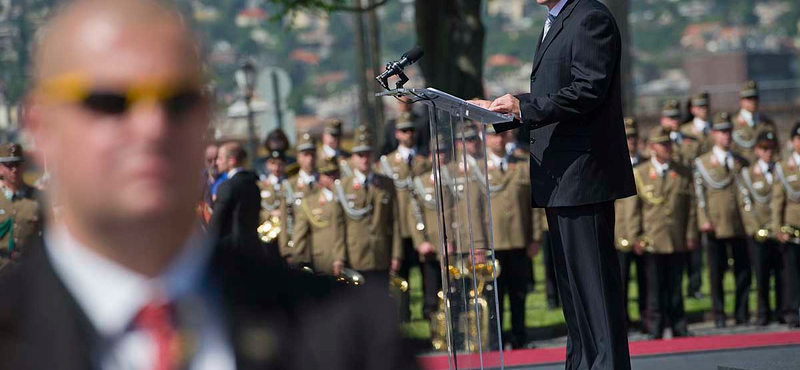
555 29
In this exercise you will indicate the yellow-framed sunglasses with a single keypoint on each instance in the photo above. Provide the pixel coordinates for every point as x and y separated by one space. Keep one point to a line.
74 88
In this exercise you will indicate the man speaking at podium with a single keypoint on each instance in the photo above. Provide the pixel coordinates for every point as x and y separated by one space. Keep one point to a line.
579 166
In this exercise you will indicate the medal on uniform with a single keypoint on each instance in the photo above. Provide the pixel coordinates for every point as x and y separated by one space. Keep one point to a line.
653 174
356 186
674 175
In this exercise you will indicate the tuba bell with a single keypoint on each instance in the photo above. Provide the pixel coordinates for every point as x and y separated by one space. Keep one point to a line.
350 277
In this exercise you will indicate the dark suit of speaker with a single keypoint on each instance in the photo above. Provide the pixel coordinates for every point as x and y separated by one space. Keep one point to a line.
236 210
579 166
316 323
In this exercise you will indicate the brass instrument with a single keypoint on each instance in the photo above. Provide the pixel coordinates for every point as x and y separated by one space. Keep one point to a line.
762 235
484 272
269 231
794 233
350 277
439 325
397 283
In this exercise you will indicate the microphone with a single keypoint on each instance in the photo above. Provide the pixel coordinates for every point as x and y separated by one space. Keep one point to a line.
396 68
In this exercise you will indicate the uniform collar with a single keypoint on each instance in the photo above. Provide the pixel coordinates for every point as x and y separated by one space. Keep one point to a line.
110 294
360 177
497 160
327 194
405 152
722 155
306 178
11 195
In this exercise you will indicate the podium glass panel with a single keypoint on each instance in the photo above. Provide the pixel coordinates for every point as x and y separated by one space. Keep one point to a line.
468 324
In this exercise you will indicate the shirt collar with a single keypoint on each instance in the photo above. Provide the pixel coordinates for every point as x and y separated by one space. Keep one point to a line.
327 194
635 159
660 168
111 295
496 159
700 125
234 171
307 178
796 157
764 166
722 156
361 178
329 152
748 117
405 152
557 9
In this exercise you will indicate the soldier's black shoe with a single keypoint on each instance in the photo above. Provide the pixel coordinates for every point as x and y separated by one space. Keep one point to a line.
719 322
794 324
682 334
762 321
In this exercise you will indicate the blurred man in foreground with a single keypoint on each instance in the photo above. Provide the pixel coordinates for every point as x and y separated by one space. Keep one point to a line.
122 280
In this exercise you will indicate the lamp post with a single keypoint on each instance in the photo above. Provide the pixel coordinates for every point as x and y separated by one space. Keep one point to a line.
248 70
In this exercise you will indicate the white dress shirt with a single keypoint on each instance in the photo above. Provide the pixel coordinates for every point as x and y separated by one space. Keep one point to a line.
701 125
765 170
111 296
406 153
327 194
498 161
329 152
305 178
723 157
635 160
748 117
796 157
552 13
661 169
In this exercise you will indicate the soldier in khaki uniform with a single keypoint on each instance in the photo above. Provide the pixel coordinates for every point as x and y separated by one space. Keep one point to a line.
19 206
756 186
370 206
293 191
331 147
668 230
700 125
425 234
512 228
686 147
785 207
748 123
720 221
627 249
273 207
319 232
401 165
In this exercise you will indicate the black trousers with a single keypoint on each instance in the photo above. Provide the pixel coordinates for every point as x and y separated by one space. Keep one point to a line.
791 266
718 263
588 275
431 284
767 262
665 293
550 286
410 259
626 259
513 280
694 269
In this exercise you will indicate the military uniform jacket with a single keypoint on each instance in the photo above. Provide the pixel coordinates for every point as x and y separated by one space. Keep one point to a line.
276 202
319 232
426 224
687 151
703 141
371 214
512 214
19 221
756 196
718 195
786 194
666 207
744 137
626 213
468 199
395 167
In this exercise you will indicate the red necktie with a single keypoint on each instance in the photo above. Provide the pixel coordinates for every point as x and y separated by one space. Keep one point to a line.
157 321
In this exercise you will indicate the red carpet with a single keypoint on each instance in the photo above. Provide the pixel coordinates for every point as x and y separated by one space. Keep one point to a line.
644 348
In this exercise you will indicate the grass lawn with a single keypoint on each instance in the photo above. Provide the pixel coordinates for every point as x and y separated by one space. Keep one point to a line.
538 315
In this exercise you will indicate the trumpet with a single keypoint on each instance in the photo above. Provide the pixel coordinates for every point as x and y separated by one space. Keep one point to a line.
397 282
270 229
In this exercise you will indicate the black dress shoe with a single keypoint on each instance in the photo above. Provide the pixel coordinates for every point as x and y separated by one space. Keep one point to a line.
762 321
682 334
719 323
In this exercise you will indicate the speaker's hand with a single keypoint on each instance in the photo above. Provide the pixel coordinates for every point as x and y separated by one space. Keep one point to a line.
506 104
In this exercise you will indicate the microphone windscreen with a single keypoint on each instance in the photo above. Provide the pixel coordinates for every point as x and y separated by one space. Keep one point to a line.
414 54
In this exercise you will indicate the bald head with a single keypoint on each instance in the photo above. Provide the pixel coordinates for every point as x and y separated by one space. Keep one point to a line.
83 29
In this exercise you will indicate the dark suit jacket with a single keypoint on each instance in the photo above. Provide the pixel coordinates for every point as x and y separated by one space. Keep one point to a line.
236 210
278 319
578 150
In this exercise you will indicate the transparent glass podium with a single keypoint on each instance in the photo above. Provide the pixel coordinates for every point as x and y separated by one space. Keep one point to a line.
468 324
